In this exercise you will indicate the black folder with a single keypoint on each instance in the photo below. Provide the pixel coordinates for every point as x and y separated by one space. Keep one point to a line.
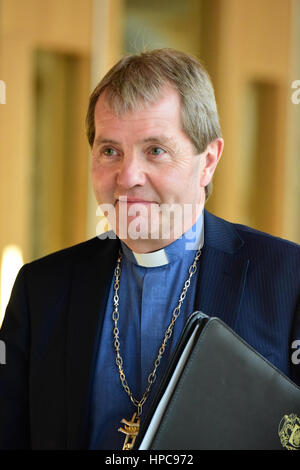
220 394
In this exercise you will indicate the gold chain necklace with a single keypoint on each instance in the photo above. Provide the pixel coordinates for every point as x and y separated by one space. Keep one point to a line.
131 428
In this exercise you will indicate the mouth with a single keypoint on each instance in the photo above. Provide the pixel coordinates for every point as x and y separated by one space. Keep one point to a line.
131 201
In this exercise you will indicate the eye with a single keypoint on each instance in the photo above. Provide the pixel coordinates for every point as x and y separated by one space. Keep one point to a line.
156 151
109 152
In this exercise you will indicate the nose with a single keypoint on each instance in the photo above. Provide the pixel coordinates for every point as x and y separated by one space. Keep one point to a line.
131 172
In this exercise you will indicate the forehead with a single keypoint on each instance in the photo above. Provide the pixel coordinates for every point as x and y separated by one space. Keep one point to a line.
165 112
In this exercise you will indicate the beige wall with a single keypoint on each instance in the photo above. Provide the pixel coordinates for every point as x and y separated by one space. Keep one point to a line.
253 61
59 26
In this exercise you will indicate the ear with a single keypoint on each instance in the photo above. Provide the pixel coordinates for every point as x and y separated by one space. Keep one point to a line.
211 157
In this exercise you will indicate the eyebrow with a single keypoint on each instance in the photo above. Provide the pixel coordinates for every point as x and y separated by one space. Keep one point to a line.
101 140
155 139
161 139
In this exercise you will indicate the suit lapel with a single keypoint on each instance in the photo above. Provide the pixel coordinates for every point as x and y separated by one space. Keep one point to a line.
91 281
222 272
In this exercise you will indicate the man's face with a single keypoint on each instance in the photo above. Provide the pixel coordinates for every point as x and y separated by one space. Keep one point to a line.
144 160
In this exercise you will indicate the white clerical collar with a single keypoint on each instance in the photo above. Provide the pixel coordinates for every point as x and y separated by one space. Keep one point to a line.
152 260
193 239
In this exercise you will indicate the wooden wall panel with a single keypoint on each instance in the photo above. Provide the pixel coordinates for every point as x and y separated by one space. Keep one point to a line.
60 26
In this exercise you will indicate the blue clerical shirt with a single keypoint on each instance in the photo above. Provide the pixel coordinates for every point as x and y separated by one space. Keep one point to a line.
150 287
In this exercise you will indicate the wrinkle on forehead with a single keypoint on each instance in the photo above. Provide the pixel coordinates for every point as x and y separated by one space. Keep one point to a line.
111 103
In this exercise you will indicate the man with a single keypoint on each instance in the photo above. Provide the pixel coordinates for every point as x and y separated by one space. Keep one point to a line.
89 330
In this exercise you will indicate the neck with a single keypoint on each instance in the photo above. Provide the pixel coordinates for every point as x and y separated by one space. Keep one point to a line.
147 246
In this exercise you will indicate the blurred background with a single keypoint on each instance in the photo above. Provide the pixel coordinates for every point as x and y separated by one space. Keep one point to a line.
54 52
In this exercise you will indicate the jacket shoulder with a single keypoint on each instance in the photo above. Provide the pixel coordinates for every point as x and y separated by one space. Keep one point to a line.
233 237
263 239
74 253
58 265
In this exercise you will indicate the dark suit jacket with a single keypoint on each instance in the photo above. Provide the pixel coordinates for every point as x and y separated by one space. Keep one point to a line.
51 329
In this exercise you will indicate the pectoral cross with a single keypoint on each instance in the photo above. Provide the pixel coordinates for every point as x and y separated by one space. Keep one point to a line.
131 429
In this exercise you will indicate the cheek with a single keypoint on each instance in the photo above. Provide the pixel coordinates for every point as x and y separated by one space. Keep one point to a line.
99 175
102 181
176 181
164 185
